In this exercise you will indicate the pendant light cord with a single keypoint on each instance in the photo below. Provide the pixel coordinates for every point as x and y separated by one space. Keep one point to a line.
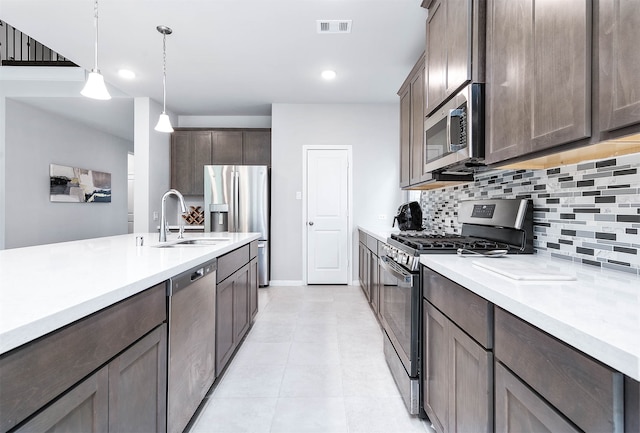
95 14
164 73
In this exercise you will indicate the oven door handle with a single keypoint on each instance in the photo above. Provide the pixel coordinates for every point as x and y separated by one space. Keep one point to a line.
395 270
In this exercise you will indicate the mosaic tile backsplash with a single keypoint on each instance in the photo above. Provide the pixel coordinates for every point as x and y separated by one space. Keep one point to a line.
587 213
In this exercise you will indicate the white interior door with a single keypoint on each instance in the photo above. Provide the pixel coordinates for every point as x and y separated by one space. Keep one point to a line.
327 216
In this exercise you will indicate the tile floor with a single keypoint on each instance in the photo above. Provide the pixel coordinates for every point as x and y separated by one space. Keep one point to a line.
312 362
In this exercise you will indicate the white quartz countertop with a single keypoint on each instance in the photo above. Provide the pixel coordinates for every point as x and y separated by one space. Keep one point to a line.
380 233
598 313
49 286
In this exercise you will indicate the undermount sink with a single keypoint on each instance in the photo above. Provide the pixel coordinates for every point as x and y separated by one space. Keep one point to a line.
193 242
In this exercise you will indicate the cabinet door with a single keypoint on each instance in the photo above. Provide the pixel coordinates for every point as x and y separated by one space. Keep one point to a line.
138 386
519 409
561 93
253 288
405 137
618 63
190 152
241 290
471 387
256 148
538 90
201 143
458 42
224 323
227 147
436 55
417 127
181 161
509 23
83 409
436 356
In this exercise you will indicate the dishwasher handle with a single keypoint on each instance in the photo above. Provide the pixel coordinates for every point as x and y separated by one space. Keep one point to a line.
195 276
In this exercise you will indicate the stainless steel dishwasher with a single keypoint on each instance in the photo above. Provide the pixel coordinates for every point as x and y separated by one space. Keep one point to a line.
192 331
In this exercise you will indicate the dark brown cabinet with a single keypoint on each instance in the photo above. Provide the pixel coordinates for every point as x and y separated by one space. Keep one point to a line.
449 49
520 409
618 63
552 383
106 372
412 126
537 89
85 408
226 148
457 359
191 150
364 258
236 300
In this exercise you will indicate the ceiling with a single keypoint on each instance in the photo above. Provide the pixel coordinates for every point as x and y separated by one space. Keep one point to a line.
234 57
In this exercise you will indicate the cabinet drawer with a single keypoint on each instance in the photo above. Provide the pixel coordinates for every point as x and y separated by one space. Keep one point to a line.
585 391
253 249
372 244
231 262
466 309
34 374
362 237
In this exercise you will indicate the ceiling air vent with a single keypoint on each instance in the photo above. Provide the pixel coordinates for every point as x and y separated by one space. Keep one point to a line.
333 26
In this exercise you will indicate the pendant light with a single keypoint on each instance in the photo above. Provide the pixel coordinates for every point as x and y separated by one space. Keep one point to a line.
164 123
94 87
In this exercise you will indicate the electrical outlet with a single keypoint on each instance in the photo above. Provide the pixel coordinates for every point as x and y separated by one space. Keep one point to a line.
382 216
155 215
298 195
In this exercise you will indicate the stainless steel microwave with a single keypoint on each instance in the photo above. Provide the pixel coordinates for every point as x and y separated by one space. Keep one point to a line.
454 133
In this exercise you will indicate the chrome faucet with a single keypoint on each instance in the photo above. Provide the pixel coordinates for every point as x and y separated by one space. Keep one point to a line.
164 226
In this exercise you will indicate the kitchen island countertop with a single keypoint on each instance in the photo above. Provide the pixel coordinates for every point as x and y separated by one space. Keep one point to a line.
46 287
598 313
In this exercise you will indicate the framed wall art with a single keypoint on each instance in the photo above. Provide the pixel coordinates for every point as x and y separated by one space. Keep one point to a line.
78 185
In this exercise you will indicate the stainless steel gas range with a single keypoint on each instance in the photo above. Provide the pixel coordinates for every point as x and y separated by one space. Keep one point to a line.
487 225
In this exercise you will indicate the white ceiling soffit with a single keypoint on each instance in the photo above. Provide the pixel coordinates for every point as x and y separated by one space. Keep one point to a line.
333 26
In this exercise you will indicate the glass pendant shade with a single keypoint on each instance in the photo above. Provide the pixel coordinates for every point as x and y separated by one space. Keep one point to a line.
164 124
95 87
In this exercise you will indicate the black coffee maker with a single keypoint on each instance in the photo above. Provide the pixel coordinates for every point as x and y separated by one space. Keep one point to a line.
409 216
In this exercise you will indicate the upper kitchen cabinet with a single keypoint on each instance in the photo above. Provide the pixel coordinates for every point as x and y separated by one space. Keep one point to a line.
227 147
190 152
618 63
455 48
256 147
412 125
538 73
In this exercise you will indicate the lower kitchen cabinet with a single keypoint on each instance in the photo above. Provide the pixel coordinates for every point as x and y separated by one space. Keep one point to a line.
84 408
107 367
550 383
126 395
457 374
236 300
369 273
138 384
519 409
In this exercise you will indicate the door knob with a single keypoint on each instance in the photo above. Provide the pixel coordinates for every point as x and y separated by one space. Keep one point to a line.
310 223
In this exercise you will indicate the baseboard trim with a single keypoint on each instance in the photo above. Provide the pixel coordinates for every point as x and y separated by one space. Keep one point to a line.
286 283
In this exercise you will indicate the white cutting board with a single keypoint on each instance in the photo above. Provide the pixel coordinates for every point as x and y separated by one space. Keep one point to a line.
522 271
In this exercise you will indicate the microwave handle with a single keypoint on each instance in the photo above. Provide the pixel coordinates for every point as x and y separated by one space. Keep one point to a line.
454 112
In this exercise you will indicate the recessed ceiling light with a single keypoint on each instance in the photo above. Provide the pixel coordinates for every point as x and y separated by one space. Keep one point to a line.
328 74
127 74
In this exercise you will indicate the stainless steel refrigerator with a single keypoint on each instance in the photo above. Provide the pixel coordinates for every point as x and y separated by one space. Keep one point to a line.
236 199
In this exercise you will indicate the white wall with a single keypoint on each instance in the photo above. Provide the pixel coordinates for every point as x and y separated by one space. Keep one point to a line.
372 131
152 150
33 140
224 121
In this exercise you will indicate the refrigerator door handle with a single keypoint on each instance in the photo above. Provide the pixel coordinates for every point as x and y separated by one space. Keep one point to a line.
236 201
